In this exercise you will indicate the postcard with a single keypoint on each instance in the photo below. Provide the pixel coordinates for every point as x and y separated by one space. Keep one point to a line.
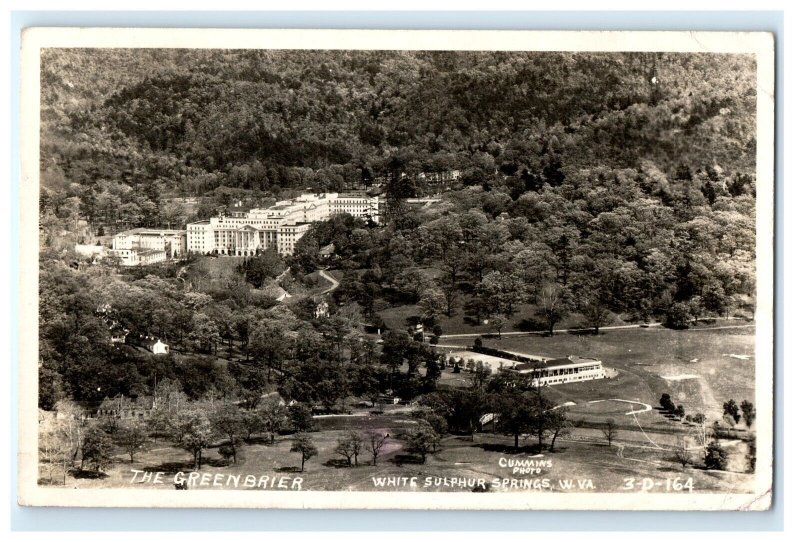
396 269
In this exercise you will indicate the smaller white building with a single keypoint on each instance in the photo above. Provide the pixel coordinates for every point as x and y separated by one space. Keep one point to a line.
321 310
153 344
133 256
118 335
158 347
142 246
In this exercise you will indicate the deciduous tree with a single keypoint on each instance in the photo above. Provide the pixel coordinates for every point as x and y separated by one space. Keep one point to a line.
194 432
514 413
423 440
131 436
748 413
269 346
55 447
227 419
595 313
376 440
300 418
275 416
305 447
432 303
349 447
96 450
552 304
731 410
481 374
716 457
683 452
559 424
610 430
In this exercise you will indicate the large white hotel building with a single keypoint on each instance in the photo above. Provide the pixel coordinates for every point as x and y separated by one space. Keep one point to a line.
278 227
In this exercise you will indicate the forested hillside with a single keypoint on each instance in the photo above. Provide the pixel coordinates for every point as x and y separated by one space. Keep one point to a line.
189 122
590 185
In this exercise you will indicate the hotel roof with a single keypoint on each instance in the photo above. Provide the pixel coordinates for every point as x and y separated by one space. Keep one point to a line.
557 362
152 231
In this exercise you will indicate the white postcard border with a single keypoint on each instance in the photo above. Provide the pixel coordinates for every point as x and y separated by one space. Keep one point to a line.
34 39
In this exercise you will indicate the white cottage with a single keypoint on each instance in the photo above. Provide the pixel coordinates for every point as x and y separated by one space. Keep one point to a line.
158 347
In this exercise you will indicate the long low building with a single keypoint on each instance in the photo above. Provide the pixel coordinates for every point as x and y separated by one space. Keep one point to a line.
278 227
548 372
139 256
543 371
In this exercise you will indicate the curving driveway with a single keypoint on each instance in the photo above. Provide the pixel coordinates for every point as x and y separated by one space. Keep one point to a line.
334 283
646 408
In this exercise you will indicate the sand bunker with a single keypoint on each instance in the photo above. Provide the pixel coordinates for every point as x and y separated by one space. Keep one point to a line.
737 356
680 377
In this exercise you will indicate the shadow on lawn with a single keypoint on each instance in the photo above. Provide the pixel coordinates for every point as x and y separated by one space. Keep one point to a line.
337 463
171 467
581 332
509 449
287 469
674 467
402 459
88 474
264 441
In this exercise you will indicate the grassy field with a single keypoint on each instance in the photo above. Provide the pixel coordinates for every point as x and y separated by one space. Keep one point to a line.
694 366
464 459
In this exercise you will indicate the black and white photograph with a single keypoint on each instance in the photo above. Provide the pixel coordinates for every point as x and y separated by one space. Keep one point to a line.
429 269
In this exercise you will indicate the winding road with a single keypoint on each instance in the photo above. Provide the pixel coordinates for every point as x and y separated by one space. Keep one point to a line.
334 283
578 330
512 333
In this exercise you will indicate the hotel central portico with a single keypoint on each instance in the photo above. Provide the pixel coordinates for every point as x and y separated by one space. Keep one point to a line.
278 227
245 241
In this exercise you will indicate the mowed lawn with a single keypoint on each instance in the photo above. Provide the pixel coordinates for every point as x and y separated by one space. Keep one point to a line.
396 318
459 459
700 374
641 359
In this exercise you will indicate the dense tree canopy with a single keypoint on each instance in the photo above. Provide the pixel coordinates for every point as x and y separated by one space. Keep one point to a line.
265 121
590 183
